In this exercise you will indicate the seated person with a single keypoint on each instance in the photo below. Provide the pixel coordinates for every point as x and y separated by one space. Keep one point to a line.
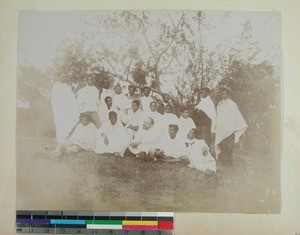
185 123
144 140
133 119
153 114
112 137
168 118
172 146
103 110
198 153
82 137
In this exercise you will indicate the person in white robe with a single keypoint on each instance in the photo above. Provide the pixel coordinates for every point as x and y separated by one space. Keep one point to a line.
103 111
121 102
206 116
185 123
131 95
153 114
172 146
65 110
106 91
198 154
167 119
133 119
112 137
88 98
83 136
230 126
146 99
142 146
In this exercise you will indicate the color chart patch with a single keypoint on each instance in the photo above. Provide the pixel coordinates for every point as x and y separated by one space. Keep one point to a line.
87 222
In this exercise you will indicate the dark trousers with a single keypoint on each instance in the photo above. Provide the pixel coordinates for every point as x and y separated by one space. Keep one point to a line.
226 148
205 134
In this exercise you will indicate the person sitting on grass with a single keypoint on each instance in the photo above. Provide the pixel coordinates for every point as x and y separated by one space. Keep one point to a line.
185 123
133 119
198 153
172 147
144 140
112 137
168 118
81 138
105 109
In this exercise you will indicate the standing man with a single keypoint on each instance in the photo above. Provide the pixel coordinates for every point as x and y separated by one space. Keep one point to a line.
87 99
205 118
146 99
229 128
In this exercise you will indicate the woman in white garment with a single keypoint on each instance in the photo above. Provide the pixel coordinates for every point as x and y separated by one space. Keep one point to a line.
65 110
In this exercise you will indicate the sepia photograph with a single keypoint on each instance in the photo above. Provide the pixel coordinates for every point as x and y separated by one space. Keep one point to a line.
149 111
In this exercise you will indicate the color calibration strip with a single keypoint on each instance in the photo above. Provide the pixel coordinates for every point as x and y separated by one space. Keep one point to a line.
86 222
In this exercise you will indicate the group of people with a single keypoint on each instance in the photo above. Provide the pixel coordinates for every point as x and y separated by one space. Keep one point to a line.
108 121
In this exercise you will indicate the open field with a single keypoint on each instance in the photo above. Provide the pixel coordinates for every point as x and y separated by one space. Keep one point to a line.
86 181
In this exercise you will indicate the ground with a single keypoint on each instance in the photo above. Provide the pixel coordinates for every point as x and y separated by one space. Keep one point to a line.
86 181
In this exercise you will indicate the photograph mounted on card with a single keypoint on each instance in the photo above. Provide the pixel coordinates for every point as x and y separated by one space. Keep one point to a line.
149 111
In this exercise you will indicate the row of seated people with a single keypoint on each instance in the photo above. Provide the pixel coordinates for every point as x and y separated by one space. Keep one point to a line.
149 140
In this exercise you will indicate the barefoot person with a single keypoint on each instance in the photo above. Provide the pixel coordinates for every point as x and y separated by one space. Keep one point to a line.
230 126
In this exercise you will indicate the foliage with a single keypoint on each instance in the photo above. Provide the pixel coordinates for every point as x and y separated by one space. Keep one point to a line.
33 86
173 48
256 91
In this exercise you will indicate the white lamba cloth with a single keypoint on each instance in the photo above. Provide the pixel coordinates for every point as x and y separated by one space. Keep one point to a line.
229 120
65 110
145 103
103 112
166 120
197 159
84 136
146 140
117 138
185 125
173 147
87 98
208 107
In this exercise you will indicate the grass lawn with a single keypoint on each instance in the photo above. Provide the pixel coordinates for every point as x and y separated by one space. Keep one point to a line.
86 181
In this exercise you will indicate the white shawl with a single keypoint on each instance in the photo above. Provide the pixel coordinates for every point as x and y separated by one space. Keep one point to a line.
208 107
229 120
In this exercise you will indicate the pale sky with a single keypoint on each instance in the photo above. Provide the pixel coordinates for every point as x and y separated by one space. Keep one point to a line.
40 32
